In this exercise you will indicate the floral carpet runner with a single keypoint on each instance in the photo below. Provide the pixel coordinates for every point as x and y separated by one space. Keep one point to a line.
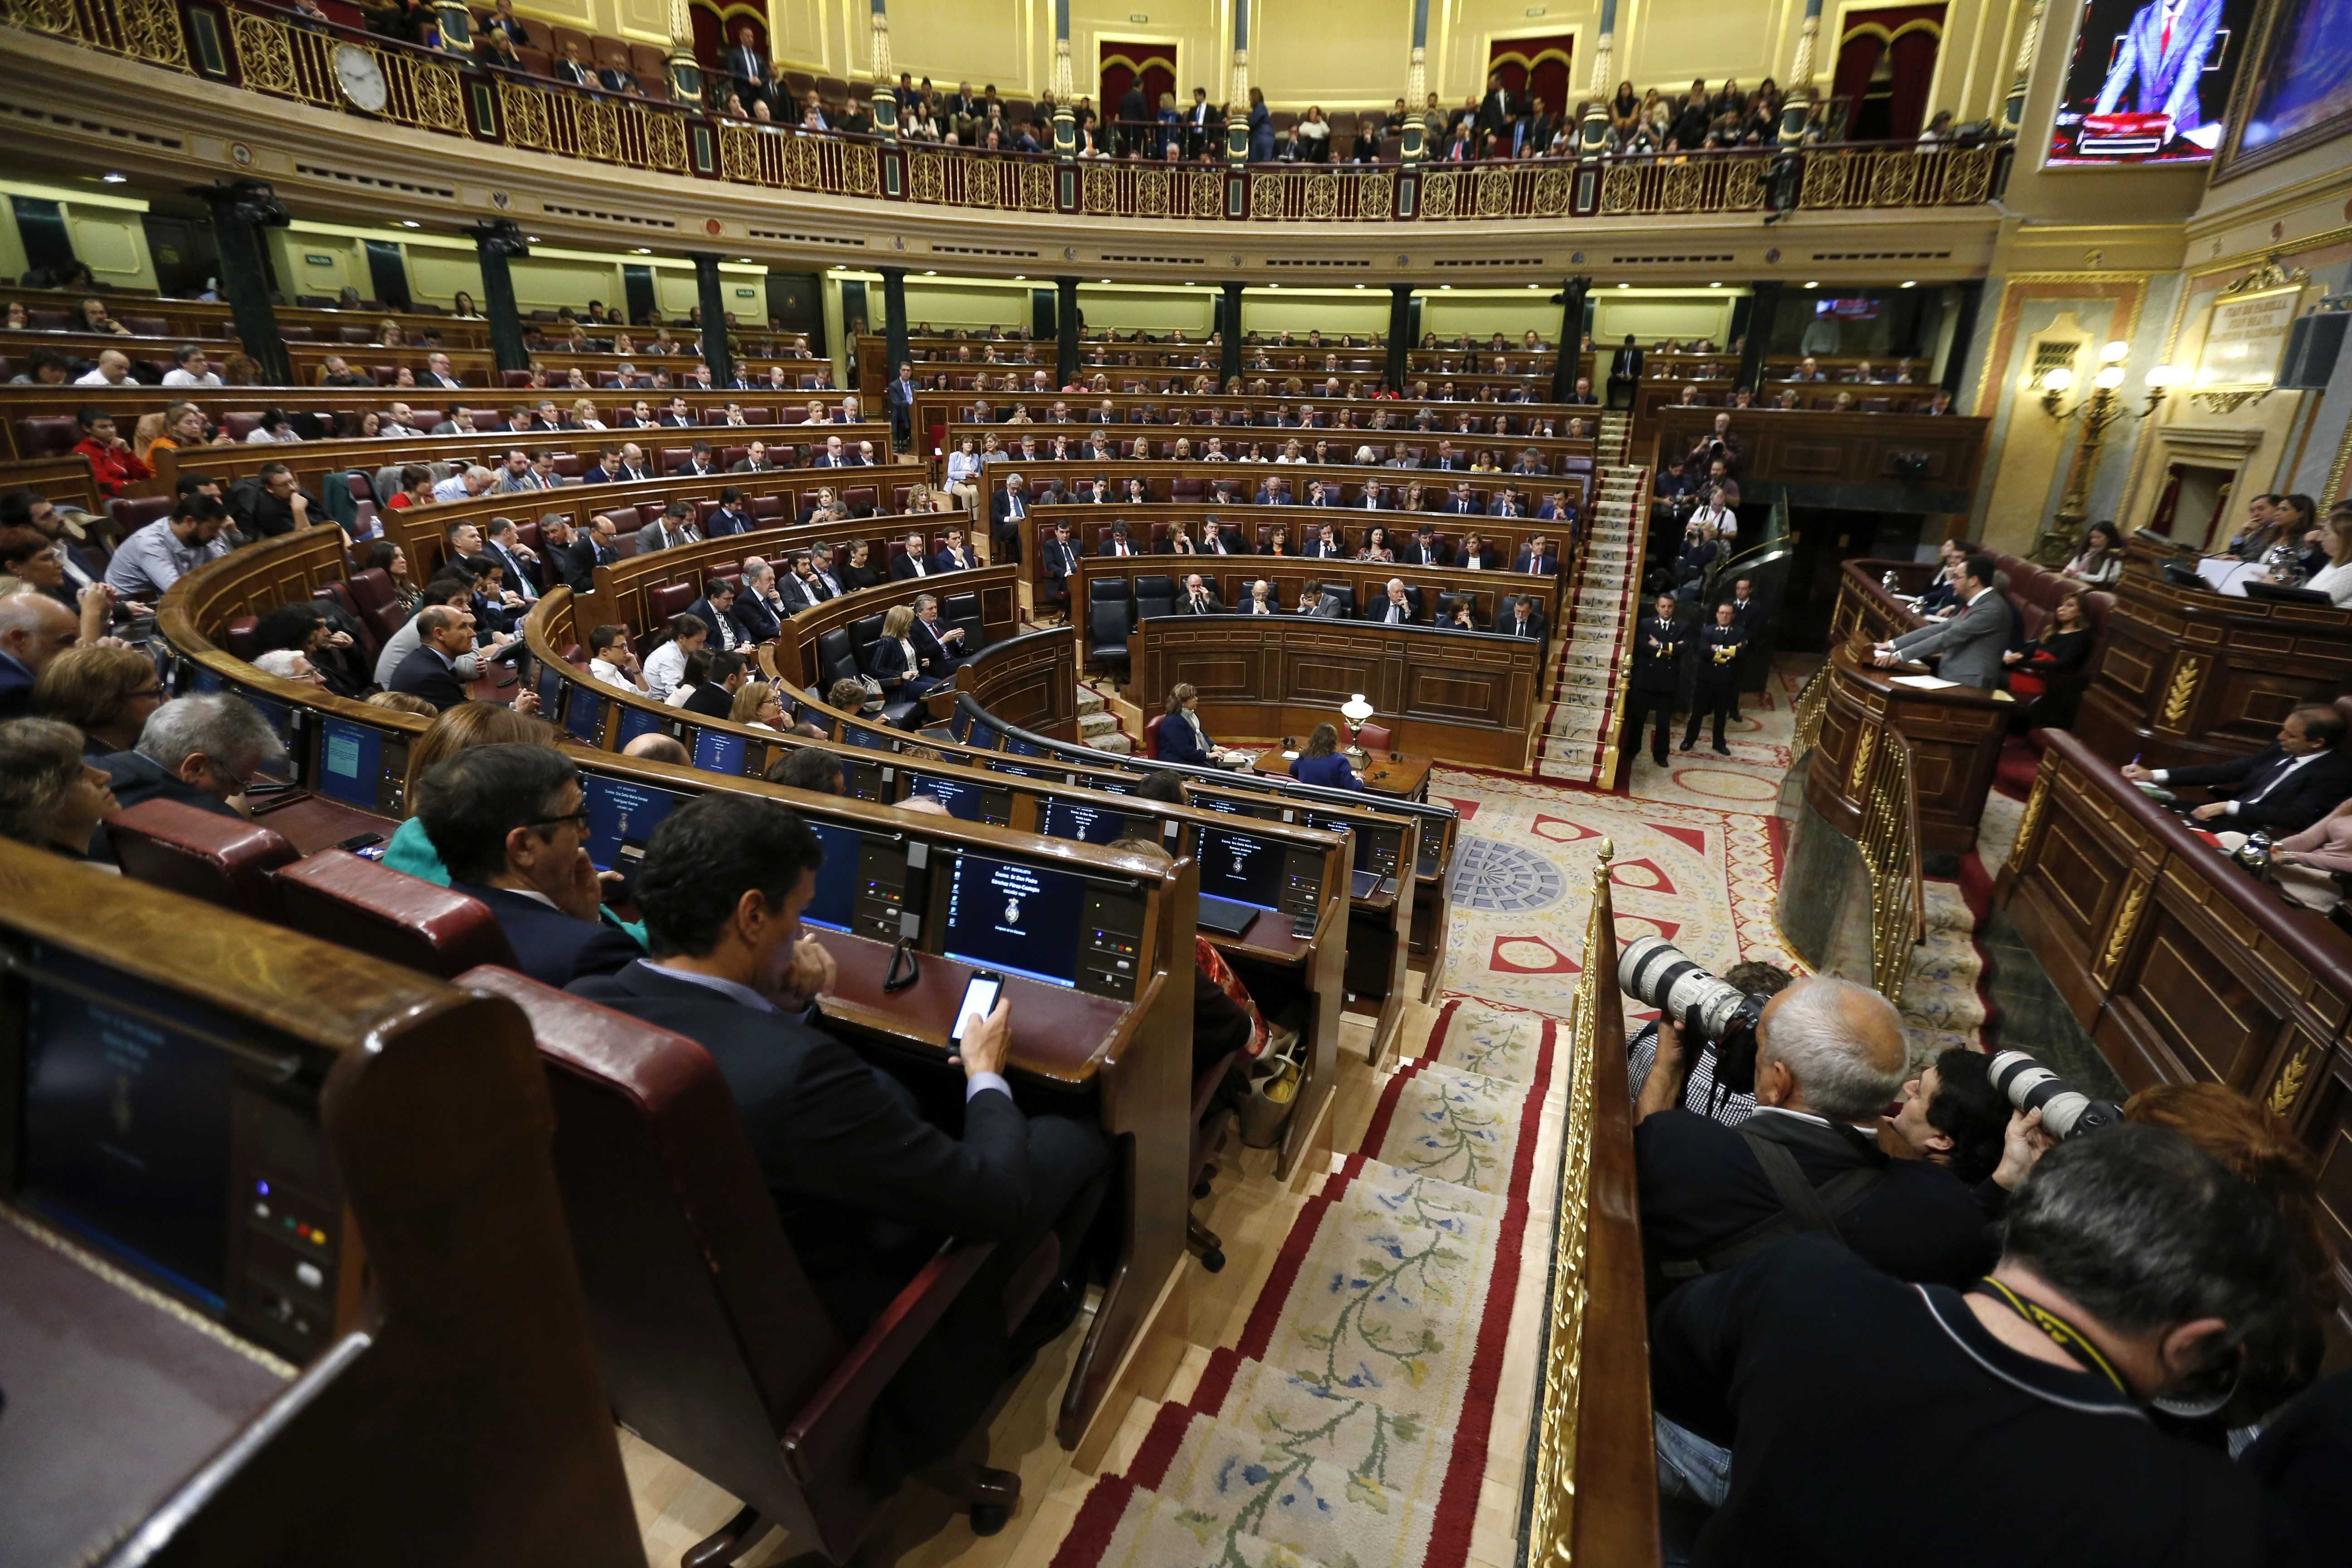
1348 1428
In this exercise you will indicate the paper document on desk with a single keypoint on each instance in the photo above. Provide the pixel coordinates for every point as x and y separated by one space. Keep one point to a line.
1924 683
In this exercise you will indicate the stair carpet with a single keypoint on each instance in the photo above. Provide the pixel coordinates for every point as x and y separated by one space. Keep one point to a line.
1327 1436
1098 726
1573 741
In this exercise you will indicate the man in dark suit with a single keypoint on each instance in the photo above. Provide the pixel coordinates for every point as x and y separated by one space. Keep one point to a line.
1134 115
1448 459
1324 546
1520 617
761 609
939 647
1395 610
430 669
1495 111
598 544
2281 789
1199 599
713 696
1537 558
1716 656
1116 542
753 73
729 517
1058 558
1007 508
1372 499
716 609
1969 645
1316 603
866 1186
1754 619
1426 549
199 751
1659 642
677 416
607 468
509 822
1625 375
952 555
1274 493
1462 503
910 563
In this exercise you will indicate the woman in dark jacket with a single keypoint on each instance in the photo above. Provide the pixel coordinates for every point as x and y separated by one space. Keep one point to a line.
1322 762
858 574
2036 674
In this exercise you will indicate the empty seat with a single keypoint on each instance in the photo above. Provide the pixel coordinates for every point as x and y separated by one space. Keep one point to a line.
1108 622
221 860
46 435
389 915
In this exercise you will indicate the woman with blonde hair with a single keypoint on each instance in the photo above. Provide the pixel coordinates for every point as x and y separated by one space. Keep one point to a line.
454 730
52 795
387 334
583 415
892 660
757 704
179 427
107 693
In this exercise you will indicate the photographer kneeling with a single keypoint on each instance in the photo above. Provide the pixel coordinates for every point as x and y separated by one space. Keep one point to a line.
1829 1057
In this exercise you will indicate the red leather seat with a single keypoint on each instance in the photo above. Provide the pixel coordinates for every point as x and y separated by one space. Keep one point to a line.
220 859
854 496
711 1342
389 914
1374 737
1151 735
131 513
766 507
663 600
237 426
47 436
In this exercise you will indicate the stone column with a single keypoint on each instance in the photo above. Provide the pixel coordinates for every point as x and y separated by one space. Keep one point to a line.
1593 134
2013 109
711 294
1229 356
496 243
1066 331
241 209
894 319
1065 117
1237 101
685 72
1570 363
1416 86
885 96
1399 369
1798 106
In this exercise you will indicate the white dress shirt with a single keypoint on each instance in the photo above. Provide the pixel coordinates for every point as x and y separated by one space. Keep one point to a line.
665 667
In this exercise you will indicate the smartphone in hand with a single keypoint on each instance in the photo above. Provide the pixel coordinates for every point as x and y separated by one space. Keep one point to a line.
980 994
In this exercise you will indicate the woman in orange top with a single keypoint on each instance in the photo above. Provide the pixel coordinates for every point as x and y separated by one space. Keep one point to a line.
183 425
112 463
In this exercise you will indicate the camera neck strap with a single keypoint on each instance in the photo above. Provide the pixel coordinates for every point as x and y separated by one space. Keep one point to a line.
2064 1334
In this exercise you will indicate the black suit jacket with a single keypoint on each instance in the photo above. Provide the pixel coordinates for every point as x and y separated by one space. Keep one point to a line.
865 1187
759 619
424 673
1625 364
549 945
134 778
727 633
709 699
1657 671
2310 793
574 564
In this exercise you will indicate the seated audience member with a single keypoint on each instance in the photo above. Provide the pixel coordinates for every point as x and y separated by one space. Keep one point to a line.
113 465
107 693
2101 560
153 557
1182 738
895 662
52 795
509 823
444 635
713 696
1395 607
1829 1057
1537 558
2063 646
201 751
716 609
1322 762
1200 598
866 1186
2133 1267
938 645
2283 788
656 747
2313 867
666 664
811 768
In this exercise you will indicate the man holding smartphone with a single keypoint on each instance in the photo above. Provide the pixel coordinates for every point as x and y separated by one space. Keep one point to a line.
866 1177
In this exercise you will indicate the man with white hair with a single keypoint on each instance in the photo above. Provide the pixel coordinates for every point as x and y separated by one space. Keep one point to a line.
1830 1058
201 751
437 372
1396 610
34 629
465 485
289 664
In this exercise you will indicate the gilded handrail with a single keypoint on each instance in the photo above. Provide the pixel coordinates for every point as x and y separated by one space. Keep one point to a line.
1889 840
1813 701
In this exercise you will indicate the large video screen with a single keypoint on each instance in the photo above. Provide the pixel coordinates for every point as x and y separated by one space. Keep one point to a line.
2148 82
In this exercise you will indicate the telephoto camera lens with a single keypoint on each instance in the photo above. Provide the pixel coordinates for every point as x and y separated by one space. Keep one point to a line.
2065 1111
1655 971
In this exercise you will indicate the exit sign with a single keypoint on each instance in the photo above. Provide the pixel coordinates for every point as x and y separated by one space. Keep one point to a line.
315 259
743 294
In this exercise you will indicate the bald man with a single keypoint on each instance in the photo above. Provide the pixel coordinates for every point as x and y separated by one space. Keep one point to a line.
34 629
1830 1058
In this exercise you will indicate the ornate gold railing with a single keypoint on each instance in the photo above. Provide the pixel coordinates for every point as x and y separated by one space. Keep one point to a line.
138 30
285 60
607 128
1595 1480
276 50
1813 701
1889 840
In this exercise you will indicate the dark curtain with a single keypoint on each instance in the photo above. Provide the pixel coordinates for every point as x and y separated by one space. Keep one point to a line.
1537 65
714 30
1121 67
1885 63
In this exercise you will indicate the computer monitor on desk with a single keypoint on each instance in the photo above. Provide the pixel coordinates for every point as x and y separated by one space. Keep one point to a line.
362 765
861 888
622 817
964 799
178 1141
1243 873
1065 928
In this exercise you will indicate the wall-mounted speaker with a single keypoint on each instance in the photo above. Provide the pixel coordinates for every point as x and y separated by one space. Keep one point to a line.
2311 345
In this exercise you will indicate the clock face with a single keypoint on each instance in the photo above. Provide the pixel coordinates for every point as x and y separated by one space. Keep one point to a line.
361 78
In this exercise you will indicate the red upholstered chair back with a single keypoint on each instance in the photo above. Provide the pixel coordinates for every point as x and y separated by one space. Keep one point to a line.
1151 735
389 914
220 859
708 1335
1374 737
667 599
47 436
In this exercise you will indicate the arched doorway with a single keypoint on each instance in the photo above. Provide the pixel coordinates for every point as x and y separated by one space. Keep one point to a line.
1535 66
715 28
1126 64
1886 66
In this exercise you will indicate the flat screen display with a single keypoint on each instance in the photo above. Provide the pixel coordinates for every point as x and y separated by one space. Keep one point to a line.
583 714
127 1120
1241 867
840 878
550 686
1363 841
1016 918
965 801
350 764
715 752
636 721
872 740
2146 84
622 817
1086 824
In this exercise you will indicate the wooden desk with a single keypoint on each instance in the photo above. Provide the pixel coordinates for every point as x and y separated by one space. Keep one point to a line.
1405 780
1460 695
1955 735
2189 676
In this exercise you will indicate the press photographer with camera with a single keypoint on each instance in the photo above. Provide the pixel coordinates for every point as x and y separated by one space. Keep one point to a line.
2134 1268
1829 1057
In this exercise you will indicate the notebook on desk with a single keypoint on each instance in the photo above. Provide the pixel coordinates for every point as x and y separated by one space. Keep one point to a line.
1226 917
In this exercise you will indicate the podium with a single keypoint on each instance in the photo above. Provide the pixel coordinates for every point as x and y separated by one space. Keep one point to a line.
1954 733
2188 674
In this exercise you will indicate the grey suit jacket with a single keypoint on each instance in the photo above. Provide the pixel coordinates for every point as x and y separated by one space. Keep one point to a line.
1971 643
